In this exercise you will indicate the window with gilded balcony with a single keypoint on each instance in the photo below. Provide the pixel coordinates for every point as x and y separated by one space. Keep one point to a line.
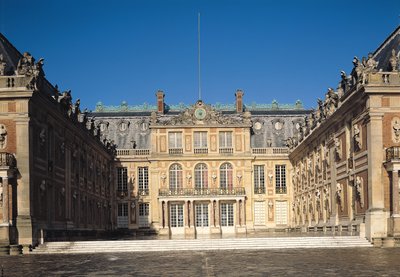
175 142
200 143
175 177
201 176
122 179
226 176
259 179
143 180
280 179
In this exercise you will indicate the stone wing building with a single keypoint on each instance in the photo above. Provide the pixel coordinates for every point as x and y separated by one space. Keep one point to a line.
56 177
200 169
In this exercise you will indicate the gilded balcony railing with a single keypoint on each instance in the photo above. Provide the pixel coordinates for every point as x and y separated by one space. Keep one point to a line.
7 159
175 151
201 150
133 152
270 151
280 190
259 190
236 191
143 192
393 153
226 150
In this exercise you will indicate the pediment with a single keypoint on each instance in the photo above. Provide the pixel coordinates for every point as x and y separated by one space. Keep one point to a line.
203 114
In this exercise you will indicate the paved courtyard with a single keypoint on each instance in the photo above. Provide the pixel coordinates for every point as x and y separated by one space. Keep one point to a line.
312 262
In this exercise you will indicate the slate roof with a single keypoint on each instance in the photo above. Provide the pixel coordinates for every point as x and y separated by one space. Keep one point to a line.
384 51
10 55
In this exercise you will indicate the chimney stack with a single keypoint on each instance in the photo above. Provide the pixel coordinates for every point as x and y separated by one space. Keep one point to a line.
160 102
239 100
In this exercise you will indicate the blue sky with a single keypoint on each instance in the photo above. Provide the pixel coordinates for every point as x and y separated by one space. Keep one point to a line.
112 51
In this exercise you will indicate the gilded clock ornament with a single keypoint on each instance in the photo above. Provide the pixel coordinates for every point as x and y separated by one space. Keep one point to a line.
200 113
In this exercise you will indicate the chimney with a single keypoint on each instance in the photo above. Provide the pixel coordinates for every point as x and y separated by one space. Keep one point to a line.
239 100
160 101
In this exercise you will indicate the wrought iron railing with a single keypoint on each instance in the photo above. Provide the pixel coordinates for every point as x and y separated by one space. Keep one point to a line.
236 191
175 151
201 150
259 190
133 152
270 151
143 192
7 159
280 190
393 153
226 150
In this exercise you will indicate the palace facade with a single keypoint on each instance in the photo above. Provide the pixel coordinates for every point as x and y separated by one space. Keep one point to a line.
200 169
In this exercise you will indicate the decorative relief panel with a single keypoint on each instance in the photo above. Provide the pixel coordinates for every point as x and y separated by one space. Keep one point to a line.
396 130
3 136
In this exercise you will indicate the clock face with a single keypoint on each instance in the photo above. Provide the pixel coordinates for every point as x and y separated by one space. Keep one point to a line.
200 113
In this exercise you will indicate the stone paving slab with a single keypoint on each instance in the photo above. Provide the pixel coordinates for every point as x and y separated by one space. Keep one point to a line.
309 262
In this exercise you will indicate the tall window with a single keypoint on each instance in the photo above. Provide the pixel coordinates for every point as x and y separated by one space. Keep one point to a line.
226 176
200 139
175 177
201 176
175 139
176 215
122 179
226 214
143 180
225 139
280 178
259 179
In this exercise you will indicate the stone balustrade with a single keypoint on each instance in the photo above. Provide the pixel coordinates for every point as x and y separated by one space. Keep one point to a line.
235 191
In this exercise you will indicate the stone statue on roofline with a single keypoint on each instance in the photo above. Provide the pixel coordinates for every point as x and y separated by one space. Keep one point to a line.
356 73
394 60
3 65
26 64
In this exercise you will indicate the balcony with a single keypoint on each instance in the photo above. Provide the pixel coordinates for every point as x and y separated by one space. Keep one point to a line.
280 190
143 192
226 150
393 153
203 192
259 190
270 151
7 159
175 151
201 150
133 152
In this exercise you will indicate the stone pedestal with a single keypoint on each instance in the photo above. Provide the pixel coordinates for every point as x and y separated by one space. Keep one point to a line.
215 230
375 223
388 242
240 229
394 229
15 250
189 232
164 232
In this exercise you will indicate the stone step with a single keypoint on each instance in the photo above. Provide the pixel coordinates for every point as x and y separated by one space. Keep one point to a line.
200 244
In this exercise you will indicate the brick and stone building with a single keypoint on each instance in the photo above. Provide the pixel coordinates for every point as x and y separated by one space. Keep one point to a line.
55 173
200 169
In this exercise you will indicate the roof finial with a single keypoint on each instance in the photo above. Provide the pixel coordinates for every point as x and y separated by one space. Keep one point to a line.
198 53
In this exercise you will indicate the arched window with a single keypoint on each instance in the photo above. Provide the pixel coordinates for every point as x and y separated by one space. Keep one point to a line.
175 177
226 176
200 176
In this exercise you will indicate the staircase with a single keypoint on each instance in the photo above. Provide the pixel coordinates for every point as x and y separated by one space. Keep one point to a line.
200 244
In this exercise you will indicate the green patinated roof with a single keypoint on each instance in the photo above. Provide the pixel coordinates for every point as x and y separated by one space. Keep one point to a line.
124 107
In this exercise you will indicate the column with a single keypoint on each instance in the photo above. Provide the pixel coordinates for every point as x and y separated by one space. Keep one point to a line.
237 213
217 223
376 216
243 214
191 214
166 215
161 214
6 210
395 192
186 213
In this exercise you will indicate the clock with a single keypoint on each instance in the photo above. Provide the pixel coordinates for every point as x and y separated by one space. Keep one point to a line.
200 113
